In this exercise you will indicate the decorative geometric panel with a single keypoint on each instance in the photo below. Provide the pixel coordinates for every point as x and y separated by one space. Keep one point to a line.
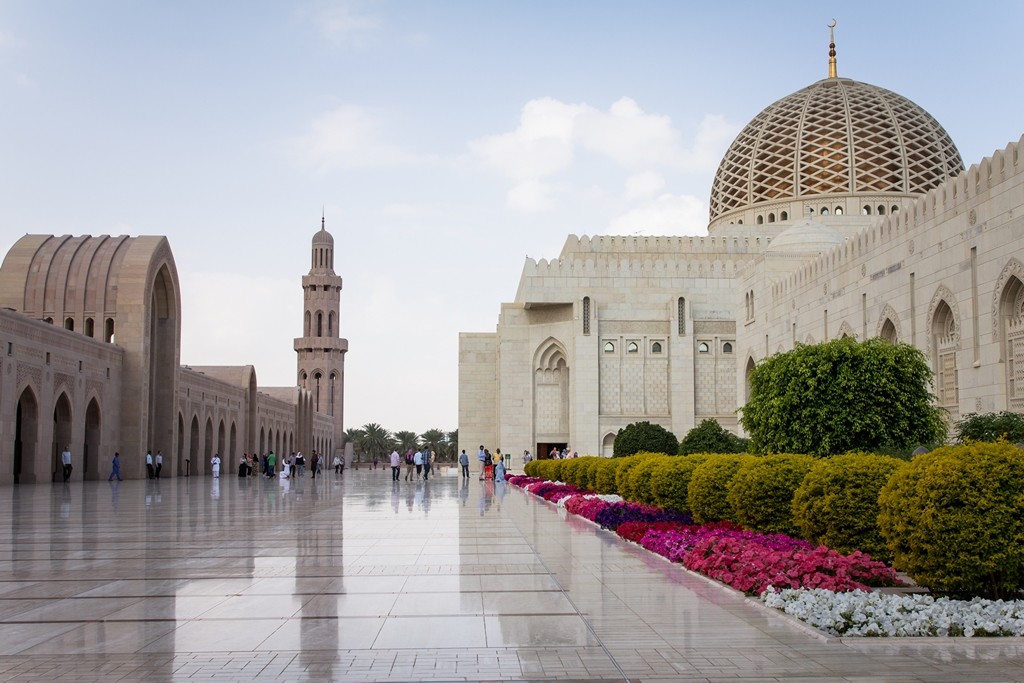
834 136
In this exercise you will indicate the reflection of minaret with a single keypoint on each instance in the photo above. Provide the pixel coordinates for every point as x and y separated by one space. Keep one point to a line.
320 349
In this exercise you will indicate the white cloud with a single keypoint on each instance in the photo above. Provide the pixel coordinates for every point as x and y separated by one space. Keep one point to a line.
340 24
666 215
348 137
551 133
644 185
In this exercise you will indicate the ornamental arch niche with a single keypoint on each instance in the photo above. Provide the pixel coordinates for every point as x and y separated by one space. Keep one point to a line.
747 372
943 344
26 434
91 448
551 393
61 431
1009 323
889 325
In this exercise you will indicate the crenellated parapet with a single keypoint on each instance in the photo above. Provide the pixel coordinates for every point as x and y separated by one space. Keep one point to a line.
955 197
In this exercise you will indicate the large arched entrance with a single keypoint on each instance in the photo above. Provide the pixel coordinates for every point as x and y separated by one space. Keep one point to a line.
26 433
162 360
179 456
91 455
550 396
207 447
61 432
1011 319
193 464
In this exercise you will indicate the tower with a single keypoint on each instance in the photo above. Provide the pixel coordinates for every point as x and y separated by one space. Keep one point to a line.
321 351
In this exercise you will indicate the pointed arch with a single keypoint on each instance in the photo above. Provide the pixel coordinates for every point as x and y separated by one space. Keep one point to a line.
846 331
551 392
943 344
62 429
747 371
889 327
26 436
1008 320
91 447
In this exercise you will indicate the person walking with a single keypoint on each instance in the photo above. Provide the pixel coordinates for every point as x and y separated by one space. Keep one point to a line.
215 462
115 467
314 463
159 463
396 464
481 456
149 464
428 459
464 464
271 464
65 461
337 464
417 460
410 462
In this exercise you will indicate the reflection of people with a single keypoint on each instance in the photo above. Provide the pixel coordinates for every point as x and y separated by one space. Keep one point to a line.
65 461
115 467
215 461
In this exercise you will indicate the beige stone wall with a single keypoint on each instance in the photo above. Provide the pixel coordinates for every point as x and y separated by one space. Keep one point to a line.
945 273
478 391
54 371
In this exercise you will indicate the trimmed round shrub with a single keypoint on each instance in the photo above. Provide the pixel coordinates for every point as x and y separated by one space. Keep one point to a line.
644 437
607 473
623 482
593 467
761 492
711 437
532 468
670 482
574 471
640 478
709 487
954 519
837 503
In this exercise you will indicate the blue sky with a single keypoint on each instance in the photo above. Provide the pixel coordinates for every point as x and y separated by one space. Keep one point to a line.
446 142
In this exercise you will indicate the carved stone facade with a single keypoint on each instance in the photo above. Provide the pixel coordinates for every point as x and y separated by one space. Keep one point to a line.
90 331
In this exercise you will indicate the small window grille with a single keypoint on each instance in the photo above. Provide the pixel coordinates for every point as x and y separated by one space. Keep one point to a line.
586 315
681 313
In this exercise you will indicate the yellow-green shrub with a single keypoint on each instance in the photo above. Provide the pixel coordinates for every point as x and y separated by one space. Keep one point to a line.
640 478
837 503
574 471
707 495
670 482
593 467
606 474
954 519
623 484
761 492
532 468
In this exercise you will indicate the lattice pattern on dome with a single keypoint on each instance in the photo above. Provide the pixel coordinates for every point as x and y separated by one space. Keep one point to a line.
834 136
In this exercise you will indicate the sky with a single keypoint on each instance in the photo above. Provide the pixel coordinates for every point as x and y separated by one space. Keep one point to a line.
443 143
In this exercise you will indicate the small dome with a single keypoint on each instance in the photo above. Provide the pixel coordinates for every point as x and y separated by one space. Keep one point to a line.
323 238
805 237
836 137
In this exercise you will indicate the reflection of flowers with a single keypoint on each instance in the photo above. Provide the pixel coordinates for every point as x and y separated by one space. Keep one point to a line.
859 613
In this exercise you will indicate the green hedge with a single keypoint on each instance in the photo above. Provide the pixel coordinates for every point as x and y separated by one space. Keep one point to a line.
607 474
670 482
954 519
761 492
623 480
707 494
837 503
640 478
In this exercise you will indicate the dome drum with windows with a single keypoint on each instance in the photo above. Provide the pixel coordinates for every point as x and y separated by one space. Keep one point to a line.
838 146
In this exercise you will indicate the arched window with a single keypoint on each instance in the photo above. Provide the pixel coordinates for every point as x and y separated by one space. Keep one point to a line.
108 330
739 222
839 211
586 315
319 324
759 220
69 324
90 327
609 347
771 218
894 210
330 397
703 347
330 324
824 211
316 391
632 347
866 210
881 210
308 322
784 216
656 347
727 347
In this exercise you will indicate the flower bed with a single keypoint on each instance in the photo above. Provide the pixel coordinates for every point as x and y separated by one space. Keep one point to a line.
614 514
860 613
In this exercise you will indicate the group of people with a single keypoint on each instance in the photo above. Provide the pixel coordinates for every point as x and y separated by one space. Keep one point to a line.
563 454
491 466
417 463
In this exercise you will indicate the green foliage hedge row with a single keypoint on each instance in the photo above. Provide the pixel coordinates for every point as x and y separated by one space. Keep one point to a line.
953 519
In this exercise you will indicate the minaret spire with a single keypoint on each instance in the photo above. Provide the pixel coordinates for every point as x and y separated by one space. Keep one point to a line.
323 217
832 50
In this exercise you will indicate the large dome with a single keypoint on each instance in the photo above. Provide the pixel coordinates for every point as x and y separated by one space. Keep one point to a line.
836 138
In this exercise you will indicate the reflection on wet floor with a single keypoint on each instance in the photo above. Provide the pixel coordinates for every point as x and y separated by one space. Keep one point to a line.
356 577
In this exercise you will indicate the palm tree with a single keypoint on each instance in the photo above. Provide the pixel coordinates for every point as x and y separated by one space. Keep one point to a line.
434 440
376 441
452 445
406 440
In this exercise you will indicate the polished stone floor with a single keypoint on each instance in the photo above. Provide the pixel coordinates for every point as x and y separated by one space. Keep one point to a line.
359 579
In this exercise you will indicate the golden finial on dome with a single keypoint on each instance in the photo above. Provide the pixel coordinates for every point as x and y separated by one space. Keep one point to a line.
832 50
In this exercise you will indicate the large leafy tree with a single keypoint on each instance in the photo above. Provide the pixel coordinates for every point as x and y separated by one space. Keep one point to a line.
405 440
842 395
644 437
991 427
433 439
711 437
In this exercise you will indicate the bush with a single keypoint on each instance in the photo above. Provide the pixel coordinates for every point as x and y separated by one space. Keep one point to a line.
954 519
670 483
607 474
837 503
644 437
593 467
622 475
762 491
709 487
991 427
640 478
711 437
532 468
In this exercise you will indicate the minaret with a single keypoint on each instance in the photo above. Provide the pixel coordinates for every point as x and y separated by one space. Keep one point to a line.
832 71
321 350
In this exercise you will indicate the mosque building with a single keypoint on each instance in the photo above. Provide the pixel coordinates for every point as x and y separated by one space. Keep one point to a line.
843 209
90 340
